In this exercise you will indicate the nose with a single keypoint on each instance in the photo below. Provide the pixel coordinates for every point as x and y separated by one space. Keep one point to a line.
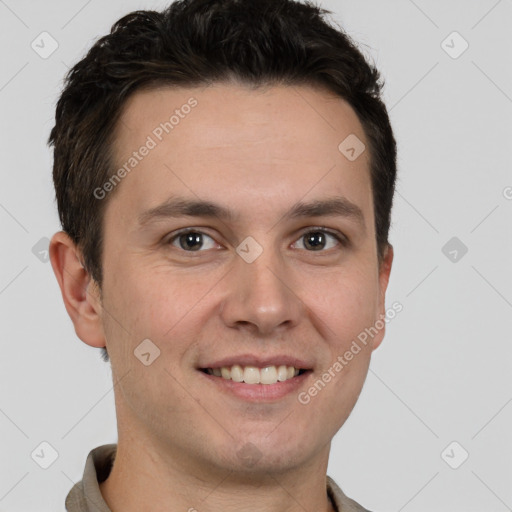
261 296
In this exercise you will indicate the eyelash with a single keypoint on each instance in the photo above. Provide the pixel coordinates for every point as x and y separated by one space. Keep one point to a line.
344 241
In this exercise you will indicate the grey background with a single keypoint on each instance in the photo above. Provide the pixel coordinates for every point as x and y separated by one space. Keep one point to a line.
443 371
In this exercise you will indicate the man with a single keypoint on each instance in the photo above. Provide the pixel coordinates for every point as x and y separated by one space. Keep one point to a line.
224 173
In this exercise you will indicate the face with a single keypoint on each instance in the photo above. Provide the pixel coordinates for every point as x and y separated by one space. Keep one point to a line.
278 269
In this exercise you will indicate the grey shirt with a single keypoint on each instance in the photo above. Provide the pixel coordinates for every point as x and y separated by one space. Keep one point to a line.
85 496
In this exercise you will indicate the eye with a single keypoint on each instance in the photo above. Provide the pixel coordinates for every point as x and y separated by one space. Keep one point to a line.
191 240
318 238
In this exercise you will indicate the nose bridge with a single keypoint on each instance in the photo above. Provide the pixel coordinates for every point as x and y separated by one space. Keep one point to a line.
260 290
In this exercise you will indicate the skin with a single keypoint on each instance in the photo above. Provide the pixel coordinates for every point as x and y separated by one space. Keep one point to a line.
258 153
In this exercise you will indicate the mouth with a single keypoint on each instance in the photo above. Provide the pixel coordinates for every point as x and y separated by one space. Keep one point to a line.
257 378
254 375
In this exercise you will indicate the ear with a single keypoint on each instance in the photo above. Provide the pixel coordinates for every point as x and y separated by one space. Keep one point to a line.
384 272
80 292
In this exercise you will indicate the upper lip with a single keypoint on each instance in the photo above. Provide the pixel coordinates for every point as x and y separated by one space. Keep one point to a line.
259 361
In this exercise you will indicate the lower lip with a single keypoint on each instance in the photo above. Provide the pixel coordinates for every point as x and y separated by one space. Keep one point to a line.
258 392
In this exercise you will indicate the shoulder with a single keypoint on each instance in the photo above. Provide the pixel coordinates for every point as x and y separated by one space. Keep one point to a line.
341 501
85 496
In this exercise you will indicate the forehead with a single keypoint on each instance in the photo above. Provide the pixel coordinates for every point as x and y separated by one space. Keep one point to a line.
224 114
239 145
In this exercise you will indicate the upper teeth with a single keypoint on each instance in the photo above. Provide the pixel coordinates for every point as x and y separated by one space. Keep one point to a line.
255 375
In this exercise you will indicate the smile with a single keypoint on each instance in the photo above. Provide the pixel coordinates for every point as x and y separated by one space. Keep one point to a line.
255 375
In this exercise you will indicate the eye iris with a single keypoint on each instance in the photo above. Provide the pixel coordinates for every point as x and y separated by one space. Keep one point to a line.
318 239
191 241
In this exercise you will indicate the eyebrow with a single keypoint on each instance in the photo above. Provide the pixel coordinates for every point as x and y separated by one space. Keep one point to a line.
183 207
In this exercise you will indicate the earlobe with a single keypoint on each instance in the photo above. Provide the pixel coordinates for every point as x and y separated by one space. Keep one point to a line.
79 292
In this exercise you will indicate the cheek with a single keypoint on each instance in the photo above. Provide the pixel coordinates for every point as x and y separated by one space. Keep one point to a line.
145 305
162 307
351 302
345 302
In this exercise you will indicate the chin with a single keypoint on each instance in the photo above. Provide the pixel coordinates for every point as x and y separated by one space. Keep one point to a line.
255 455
